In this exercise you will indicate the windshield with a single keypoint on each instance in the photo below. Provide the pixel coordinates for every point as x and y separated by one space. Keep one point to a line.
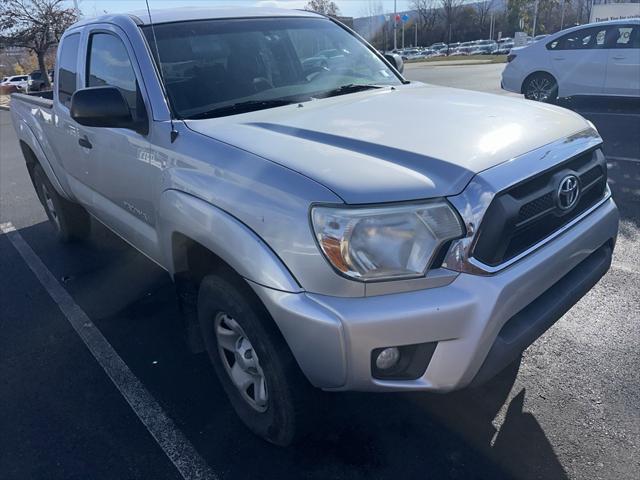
209 66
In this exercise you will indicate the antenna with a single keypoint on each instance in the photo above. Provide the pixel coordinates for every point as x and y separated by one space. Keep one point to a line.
174 132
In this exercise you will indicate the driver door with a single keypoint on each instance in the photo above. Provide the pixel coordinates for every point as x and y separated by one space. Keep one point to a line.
118 158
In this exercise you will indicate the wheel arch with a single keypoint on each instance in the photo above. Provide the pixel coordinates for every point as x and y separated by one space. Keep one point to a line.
199 239
197 236
34 154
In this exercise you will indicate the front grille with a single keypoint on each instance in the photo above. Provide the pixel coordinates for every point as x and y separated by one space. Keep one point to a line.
528 212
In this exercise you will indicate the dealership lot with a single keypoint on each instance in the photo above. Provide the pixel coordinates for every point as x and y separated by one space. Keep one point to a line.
569 411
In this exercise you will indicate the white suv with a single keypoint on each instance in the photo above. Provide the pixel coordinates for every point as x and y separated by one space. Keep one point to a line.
595 59
19 81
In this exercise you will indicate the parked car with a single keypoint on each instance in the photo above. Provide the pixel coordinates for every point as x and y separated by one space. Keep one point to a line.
35 82
322 231
486 43
427 52
484 49
18 81
594 59
504 48
462 50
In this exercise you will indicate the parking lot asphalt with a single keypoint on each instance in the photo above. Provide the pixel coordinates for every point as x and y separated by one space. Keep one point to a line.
569 409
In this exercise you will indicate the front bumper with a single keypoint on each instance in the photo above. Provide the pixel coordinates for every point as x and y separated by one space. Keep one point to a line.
332 338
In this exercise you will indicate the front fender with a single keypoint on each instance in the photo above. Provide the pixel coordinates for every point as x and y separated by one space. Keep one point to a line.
222 234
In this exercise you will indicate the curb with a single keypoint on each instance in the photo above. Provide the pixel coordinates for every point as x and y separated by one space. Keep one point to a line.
5 107
453 63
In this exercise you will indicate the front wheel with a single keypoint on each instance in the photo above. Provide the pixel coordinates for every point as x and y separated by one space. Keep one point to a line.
541 87
252 361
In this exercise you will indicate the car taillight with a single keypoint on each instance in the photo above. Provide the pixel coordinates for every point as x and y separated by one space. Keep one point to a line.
511 56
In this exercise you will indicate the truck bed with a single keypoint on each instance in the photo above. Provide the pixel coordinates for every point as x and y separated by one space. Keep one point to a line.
41 99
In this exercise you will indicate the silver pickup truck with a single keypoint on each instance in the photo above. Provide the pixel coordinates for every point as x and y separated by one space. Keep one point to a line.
327 223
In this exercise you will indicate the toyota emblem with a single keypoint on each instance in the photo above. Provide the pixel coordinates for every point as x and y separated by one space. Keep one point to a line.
568 192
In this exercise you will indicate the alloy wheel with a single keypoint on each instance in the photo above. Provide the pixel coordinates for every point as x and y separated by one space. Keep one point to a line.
540 89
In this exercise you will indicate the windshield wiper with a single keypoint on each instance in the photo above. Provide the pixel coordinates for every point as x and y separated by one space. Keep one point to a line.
242 107
349 88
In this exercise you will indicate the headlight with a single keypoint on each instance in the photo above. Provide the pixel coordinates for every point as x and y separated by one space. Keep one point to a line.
384 243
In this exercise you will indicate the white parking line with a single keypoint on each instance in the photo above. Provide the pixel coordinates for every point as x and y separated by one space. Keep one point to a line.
623 159
172 441
612 114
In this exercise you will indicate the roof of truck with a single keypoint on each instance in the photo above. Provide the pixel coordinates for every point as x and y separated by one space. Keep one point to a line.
181 14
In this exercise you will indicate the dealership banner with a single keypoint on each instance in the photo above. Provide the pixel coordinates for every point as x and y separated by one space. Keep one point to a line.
614 11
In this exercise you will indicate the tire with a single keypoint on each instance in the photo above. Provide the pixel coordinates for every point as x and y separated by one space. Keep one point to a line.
281 414
541 87
70 221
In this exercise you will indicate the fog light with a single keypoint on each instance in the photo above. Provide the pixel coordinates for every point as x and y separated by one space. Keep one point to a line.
388 358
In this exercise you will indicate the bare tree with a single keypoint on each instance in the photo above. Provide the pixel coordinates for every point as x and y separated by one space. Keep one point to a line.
483 10
427 12
450 10
326 7
36 25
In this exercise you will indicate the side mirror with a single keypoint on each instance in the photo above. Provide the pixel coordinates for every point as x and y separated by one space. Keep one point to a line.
104 107
395 60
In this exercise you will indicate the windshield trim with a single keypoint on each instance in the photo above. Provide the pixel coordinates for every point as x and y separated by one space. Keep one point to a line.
153 49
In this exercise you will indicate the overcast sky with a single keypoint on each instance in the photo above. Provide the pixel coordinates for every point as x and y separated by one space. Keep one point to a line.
349 8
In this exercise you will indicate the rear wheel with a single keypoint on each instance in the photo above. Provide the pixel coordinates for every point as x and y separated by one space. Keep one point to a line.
70 220
541 87
252 361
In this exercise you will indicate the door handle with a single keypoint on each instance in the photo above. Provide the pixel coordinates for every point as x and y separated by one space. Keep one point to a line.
84 142
558 58
619 57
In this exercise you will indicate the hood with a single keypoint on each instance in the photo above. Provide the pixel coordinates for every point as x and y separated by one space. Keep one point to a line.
412 142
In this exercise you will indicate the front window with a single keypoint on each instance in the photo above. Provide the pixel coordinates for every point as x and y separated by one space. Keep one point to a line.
108 64
213 68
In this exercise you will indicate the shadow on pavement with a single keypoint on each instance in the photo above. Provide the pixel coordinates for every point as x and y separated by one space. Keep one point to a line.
450 435
361 436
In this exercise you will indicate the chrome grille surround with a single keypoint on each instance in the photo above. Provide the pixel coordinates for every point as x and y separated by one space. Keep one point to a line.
473 202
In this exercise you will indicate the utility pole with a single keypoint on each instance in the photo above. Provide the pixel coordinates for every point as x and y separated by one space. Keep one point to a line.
535 18
395 24
403 35
491 27
562 16
416 33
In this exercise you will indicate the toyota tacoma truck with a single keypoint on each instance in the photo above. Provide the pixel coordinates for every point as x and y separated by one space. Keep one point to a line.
327 223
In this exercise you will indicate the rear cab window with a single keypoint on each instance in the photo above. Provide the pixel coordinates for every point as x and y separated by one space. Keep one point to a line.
68 68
